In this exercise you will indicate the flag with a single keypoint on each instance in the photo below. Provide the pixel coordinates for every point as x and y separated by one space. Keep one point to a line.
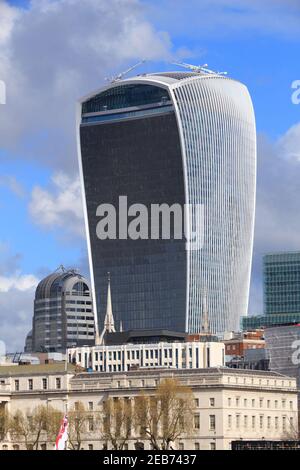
62 435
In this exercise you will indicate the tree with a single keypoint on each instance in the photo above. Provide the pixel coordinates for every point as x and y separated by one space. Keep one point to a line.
29 426
4 422
78 419
165 415
116 422
53 423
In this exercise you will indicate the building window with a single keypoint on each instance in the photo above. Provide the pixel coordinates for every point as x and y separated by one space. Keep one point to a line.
44 384
269 422
238 420
30 384
229 401
180 446
276 404
291 405
91 406
284 423
253 403
196 402
261 422
253 422
268 403
276 422
212 422
197 421
283 402
91 447
58 383
16 447
261 402
43 446
245 402
91 424
17 385
229 421
245 421
212 446
212 402
237 401
197 446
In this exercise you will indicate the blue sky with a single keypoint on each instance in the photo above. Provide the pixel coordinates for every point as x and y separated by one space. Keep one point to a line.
52 52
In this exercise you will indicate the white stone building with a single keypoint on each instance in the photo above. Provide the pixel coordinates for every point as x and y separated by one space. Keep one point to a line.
229 404
175 355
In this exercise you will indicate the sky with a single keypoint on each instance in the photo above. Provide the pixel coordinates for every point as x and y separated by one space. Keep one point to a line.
52 52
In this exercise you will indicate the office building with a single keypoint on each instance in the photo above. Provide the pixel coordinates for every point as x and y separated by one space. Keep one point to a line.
63 313
183 138
281 278
229 404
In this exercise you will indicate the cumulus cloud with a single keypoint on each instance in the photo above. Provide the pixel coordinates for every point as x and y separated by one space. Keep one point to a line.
59 206
16 299
56 51
16 307
21 282
278 205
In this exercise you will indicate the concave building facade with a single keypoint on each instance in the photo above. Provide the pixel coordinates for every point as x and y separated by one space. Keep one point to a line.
172 138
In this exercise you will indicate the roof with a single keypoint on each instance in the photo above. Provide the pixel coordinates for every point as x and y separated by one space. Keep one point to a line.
36 369
52 285
207 371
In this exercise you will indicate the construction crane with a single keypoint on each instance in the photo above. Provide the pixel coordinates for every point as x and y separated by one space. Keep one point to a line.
118 77
198 68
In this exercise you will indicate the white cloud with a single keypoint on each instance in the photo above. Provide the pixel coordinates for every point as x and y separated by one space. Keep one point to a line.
278 204
16 310
59 206
289 144
57 51
20 282
16 299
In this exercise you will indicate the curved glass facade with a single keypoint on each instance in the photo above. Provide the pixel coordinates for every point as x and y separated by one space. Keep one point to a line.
217 125
202 151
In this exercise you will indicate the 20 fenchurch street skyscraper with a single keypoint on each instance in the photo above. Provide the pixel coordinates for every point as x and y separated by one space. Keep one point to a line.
183 138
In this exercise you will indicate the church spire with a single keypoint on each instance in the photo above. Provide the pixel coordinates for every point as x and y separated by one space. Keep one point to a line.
109 323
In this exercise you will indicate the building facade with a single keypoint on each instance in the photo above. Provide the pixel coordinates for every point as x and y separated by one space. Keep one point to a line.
63 313
171 138
173 355
281 278
229 404
238 343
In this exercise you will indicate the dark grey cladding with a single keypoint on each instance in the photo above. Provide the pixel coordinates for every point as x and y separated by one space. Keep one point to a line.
140 158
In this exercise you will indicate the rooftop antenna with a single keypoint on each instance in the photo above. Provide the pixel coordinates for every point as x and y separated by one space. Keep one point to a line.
198 68
118 77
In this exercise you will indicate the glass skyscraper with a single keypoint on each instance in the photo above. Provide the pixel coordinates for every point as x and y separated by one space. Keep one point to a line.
281 278
172 138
